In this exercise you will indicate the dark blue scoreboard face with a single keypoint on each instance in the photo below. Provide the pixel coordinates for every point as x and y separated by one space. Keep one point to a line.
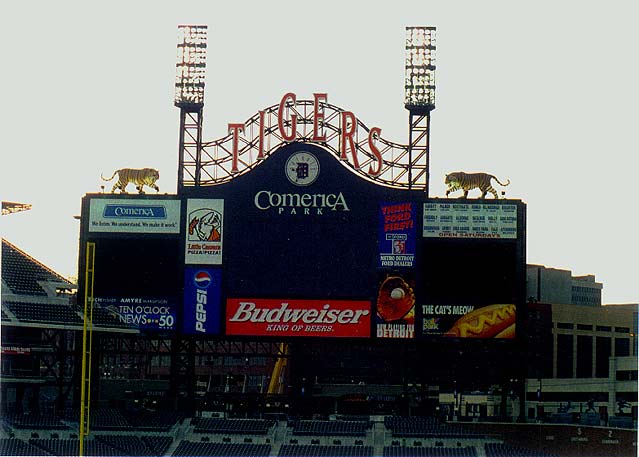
137 282
137 268
301 225
302 247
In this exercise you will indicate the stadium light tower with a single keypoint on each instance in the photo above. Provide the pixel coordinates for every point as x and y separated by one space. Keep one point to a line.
189 96
419 98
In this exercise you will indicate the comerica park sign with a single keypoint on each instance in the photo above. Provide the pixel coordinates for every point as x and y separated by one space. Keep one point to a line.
287 125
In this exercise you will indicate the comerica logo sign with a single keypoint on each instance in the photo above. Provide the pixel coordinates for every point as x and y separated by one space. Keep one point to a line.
135 211
300 203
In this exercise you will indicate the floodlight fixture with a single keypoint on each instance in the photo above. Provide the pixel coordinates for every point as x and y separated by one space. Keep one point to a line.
191 66
419 94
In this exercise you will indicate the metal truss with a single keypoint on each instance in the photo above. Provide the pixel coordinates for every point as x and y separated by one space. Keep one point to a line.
190 146
134 344
212 164
418 144
240 348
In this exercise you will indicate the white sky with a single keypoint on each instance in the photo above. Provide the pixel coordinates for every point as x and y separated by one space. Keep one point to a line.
543 93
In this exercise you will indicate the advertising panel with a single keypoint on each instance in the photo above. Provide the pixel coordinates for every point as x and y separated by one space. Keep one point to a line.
396 307
137 281
144 313
202 300
460 321
15 350
204 231
134 215
470 220
284 317
397 234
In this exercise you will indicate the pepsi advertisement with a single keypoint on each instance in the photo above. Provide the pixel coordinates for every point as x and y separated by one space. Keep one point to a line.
202 301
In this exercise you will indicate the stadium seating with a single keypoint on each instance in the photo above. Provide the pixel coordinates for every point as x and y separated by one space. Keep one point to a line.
561 418
430 451
108 419
621 422
189 448
158 444
330 428
507 450
21 272
66 447
158 421
14 446
30 421
292 450
422 427
136 446
142 420
232 426
44 313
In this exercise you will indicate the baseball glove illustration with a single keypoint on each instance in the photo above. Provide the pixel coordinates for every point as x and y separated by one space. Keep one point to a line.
395 299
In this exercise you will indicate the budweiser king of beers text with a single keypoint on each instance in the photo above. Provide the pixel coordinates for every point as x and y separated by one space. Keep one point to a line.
281 317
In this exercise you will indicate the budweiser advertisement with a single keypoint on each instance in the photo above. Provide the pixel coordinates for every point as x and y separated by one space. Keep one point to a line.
284 317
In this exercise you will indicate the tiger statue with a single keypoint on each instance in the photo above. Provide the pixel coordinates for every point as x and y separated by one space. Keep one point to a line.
468 181
139 177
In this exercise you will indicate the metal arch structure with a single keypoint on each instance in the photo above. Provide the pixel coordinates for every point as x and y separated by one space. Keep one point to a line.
211 163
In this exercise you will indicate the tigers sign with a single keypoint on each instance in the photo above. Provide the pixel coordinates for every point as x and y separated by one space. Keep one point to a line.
287 129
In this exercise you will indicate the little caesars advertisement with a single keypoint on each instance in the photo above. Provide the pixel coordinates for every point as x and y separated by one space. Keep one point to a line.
204 231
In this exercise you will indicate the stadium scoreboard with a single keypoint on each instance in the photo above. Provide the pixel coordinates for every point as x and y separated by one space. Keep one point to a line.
301 247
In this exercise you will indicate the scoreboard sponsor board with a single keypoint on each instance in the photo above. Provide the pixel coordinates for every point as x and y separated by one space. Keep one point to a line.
470 220
300 246
202 301
323 318
137 260
134 216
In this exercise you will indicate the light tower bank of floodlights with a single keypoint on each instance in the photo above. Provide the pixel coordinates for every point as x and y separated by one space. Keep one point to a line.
189 97
419 98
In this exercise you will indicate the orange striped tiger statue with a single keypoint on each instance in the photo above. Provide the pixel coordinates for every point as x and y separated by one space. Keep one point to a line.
468 181
139 177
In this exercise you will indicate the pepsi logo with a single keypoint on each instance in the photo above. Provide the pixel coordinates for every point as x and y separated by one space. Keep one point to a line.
202 279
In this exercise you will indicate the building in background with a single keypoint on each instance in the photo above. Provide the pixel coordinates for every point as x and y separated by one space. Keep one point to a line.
582 360
553 285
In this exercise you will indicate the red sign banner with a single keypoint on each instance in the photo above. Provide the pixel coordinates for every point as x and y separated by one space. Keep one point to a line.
19 350
282 317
